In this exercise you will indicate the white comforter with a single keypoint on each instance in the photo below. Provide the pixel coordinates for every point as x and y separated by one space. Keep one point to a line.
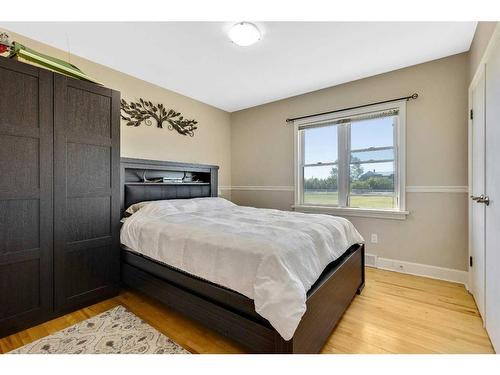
270 256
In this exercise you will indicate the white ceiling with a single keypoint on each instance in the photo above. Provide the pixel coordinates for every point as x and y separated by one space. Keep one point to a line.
197 59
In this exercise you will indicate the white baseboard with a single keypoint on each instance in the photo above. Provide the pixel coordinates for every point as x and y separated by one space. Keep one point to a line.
370 260
425 270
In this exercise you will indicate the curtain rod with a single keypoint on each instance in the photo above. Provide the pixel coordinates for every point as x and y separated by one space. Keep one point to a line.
412 96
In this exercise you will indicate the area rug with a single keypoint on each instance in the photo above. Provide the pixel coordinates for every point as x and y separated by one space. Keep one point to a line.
116 331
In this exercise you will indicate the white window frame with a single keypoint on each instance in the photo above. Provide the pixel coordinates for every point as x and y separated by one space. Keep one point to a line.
399 162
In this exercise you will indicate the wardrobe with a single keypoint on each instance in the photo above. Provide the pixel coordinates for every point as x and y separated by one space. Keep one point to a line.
484 188
59 194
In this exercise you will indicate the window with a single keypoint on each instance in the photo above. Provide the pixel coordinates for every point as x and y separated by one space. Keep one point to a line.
352 160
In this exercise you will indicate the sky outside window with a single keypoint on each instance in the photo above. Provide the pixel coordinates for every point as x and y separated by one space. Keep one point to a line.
321 145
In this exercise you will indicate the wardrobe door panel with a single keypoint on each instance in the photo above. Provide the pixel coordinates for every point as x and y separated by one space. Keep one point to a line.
27 291
26 133
86 223
90 112
88 218
19 168
89 167
19 225
19 93
91 266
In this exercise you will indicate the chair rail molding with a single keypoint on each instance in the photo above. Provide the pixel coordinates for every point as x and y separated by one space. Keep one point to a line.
437 189
409 189
263 188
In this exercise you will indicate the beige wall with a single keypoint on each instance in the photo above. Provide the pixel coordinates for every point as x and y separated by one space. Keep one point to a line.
211 143
435 233
483 34
254 147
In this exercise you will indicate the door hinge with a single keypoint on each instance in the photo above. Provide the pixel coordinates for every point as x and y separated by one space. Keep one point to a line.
471 114
470 261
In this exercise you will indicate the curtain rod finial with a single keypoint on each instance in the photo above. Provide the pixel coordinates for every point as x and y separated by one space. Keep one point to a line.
414 96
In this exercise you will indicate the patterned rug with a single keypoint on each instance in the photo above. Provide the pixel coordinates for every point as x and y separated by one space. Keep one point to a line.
116 331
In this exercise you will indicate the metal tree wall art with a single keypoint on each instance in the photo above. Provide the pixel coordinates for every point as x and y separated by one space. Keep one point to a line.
143 110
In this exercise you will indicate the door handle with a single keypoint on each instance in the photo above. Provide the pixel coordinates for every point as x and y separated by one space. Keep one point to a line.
485 200
481 199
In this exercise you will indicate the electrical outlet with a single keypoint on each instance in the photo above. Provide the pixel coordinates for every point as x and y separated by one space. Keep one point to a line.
374 238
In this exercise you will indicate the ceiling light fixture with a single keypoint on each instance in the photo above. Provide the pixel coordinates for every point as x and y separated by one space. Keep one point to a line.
244 34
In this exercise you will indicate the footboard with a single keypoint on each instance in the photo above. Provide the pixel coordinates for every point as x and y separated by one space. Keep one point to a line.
326 302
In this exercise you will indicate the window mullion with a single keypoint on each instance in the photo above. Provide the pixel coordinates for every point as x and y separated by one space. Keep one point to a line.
397 181
301 169
343 171
348 163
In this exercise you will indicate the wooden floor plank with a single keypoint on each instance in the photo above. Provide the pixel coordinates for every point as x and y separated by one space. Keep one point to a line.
396 313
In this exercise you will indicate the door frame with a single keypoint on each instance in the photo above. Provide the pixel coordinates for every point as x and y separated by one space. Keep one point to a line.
471 205
495 37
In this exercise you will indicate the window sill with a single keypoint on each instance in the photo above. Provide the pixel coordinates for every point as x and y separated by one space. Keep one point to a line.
347 211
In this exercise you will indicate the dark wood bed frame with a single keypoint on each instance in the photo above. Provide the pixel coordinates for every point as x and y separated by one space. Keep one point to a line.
221 309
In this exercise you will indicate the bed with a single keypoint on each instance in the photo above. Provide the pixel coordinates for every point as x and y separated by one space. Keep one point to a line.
213 295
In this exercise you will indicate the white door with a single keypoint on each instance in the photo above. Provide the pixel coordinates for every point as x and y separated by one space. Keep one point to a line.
477 210
493 192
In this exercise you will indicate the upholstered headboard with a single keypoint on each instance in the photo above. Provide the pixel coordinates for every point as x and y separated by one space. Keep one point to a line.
137 176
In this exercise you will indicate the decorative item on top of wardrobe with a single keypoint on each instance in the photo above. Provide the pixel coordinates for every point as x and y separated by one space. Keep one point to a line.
4 42
21 52
143 110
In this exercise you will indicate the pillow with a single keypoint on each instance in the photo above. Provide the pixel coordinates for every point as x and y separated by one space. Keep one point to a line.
134 208
170 206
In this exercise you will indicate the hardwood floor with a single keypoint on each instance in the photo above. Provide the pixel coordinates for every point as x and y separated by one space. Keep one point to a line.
395 313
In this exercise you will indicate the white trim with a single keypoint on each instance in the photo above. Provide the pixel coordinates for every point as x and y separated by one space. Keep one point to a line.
409 189
469 172
370 260
343 142
486 55
263 188
437 189
297 171
349 211
494 40
425 270
401 157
